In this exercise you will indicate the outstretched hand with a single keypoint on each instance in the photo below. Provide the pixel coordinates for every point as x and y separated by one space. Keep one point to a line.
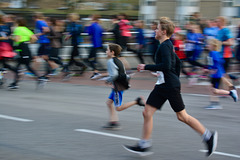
141 67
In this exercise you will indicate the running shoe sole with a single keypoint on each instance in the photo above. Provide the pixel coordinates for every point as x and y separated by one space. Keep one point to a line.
142 154
215 139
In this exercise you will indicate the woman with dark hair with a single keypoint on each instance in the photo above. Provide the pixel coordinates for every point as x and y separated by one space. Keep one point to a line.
6 51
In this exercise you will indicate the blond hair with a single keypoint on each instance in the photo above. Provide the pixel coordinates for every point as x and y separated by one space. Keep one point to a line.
73 16
216 44
222 20
168 25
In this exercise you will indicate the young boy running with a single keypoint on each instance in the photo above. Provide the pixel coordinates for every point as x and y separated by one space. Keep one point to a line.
119 81
216 68
167 88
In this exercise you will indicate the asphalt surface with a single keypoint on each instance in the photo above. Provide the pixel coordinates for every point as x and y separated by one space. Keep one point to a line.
63 122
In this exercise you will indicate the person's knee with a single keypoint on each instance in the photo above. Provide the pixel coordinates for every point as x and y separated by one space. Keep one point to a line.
109 102
183 117
147 114
214 91
118 109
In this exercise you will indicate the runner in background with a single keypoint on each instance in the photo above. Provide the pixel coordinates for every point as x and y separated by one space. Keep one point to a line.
6 52
74 30
117 36
95 31
216 63
179 47
139 24
41 29
225 36
23 36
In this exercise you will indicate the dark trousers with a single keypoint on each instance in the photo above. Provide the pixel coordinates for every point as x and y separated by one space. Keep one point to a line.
92 58
72 61
25 57
5 65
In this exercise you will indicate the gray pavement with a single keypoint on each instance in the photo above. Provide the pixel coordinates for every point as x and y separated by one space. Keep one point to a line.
55 112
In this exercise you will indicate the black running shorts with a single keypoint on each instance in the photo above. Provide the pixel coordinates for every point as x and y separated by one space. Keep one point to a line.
160 95
215 82
44 49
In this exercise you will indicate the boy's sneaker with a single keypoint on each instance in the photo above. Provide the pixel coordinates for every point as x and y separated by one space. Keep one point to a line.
13 86
138 150
112 126
212 143
140 101
234 95
95 75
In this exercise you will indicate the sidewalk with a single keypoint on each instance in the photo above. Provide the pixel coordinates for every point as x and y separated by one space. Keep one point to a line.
144 81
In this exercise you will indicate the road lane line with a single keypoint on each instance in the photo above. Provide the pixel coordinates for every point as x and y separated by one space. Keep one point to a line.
107 134
198 95
223 154
137 139
15 118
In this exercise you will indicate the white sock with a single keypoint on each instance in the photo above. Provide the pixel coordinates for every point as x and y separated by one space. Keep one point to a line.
145 143
206 135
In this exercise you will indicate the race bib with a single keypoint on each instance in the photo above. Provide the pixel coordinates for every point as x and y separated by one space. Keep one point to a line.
160 78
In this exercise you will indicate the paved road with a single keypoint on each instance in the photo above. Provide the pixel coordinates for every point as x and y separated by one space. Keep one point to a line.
41 125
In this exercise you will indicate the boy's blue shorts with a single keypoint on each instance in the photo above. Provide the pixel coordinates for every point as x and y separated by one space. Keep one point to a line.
116 96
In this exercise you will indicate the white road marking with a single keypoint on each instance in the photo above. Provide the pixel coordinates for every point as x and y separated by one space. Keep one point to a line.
137 139
202 84
237 86
199 95
15 118
223 154
107 134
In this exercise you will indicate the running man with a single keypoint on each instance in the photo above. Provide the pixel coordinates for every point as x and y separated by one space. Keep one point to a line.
167 88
